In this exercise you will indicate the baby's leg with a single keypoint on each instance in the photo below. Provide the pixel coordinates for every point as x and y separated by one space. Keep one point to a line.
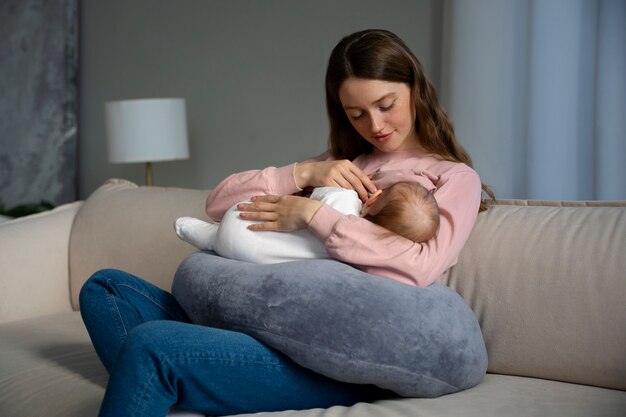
199 233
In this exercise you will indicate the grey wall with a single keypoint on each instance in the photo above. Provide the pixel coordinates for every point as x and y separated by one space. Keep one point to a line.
251 71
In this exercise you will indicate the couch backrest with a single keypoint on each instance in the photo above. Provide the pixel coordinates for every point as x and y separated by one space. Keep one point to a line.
127 227
547 281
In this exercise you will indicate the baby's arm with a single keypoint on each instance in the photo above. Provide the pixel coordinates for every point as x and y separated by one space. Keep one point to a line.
197 232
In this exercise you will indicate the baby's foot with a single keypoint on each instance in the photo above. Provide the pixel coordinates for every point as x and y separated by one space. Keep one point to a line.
199 233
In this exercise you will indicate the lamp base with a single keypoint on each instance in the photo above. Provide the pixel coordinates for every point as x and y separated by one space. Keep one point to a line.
149 173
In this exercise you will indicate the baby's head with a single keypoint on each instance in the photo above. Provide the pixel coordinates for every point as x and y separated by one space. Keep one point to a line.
407 209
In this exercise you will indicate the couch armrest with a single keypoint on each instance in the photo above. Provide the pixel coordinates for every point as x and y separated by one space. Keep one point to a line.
34 264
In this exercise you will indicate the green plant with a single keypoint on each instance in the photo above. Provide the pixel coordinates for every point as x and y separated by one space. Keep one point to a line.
25 209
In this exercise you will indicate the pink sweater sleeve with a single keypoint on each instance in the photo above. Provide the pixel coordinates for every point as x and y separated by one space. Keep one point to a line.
241 186
360 243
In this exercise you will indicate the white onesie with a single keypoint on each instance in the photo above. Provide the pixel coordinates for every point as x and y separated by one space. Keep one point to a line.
232 239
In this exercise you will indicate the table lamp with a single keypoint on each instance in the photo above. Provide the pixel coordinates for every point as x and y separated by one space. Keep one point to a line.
146 130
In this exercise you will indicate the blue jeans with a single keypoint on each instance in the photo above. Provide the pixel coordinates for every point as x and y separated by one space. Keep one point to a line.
157 358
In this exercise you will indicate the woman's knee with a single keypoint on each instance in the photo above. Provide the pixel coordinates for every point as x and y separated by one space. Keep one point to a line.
95 285
104 278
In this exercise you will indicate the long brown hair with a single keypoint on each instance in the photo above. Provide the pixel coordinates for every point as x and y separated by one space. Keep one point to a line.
381 55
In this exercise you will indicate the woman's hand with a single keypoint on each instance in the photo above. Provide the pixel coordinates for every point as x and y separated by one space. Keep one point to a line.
279 213
341 173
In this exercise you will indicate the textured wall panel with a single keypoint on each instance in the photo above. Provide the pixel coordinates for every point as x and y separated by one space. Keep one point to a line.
38 82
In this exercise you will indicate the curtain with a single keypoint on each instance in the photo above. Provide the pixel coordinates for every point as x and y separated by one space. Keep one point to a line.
38 82
537 91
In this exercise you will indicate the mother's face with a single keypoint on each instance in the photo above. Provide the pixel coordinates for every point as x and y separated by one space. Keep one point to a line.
381 111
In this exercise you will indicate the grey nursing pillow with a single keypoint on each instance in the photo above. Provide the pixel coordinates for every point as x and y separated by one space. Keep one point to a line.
341 322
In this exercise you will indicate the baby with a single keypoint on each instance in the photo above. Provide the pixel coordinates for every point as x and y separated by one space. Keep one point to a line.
405 208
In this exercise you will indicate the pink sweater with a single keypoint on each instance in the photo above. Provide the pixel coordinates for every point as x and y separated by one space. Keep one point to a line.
354 240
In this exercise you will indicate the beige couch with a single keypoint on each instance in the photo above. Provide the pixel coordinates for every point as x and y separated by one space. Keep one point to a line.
547 281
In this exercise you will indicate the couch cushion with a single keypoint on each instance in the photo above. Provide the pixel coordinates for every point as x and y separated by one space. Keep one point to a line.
34 263
49 368
497 396
547 283
127 227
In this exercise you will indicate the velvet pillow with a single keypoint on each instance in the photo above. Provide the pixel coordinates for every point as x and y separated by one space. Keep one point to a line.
341 322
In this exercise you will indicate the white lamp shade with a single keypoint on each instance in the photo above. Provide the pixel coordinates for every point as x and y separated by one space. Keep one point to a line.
146 130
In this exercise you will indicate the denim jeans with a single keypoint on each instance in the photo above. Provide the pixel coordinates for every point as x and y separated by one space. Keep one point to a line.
157 358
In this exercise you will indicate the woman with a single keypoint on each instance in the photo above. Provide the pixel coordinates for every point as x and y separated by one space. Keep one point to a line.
384 116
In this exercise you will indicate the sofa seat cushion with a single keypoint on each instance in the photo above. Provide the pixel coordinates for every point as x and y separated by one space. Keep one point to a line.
511 396
49 368
497 396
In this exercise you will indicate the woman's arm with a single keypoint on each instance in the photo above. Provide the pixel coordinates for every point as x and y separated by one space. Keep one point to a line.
242 186
322 170
360 243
